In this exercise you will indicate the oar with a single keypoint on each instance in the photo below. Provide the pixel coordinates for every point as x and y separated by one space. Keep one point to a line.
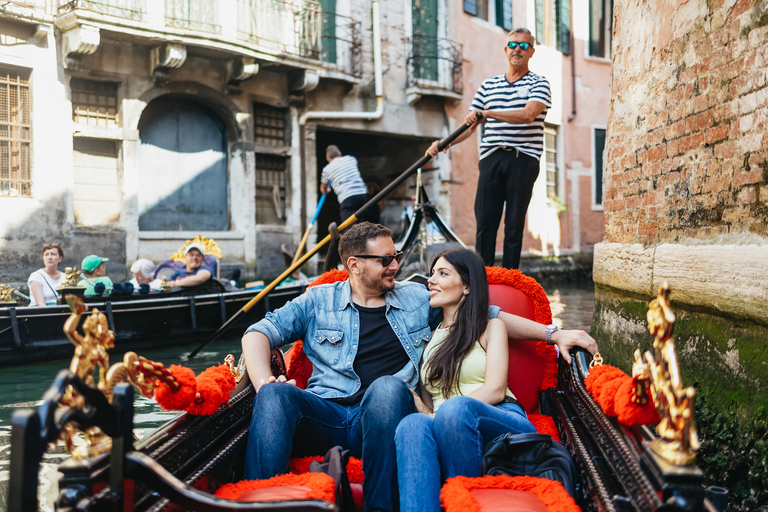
344 225
311 225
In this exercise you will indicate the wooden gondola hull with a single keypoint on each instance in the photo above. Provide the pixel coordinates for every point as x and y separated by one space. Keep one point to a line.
34 334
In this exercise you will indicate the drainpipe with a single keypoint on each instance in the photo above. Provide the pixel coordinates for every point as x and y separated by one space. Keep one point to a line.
573 80
339 114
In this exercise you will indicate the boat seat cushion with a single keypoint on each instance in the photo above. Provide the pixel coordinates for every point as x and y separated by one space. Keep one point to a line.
289 487
505 493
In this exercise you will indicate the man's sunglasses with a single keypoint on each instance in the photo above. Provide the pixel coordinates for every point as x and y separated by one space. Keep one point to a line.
515 44
385 260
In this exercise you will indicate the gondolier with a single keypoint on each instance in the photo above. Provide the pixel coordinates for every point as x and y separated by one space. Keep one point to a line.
342 172
513 107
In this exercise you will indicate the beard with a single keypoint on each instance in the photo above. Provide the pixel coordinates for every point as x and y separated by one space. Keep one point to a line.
377 283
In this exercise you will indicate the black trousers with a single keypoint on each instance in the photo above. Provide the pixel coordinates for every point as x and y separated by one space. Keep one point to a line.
351 204
506 177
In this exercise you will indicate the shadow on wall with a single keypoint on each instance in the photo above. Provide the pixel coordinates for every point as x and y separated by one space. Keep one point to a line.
20 246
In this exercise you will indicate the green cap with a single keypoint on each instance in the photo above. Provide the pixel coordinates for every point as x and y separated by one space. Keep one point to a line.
91 262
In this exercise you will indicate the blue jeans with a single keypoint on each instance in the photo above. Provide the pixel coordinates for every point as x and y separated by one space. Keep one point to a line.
429 450
290 421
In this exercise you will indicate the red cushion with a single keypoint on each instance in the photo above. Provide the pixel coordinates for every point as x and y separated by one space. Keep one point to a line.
309 486
507 500
459 494
545 425
279 493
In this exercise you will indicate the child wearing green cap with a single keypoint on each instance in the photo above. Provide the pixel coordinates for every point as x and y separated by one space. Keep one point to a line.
94 273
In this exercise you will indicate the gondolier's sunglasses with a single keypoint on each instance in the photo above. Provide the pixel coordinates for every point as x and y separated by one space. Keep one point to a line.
385 260
514 44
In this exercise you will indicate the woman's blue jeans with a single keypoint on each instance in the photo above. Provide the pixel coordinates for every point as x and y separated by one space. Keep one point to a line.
429 450
289 421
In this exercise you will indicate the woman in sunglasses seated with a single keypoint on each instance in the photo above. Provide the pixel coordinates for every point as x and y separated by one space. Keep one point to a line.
463 397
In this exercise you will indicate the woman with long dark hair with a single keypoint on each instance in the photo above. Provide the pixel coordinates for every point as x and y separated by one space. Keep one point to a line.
463 400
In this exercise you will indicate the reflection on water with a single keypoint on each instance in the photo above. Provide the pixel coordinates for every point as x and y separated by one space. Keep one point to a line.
23 386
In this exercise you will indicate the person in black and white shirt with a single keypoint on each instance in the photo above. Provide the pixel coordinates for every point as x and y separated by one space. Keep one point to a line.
343 177
513 107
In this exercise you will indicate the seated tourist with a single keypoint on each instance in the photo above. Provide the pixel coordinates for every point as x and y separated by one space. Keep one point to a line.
44 283
94 272
143 271
195 272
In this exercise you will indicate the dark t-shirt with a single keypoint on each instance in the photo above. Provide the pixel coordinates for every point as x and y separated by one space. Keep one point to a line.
182 272
379 352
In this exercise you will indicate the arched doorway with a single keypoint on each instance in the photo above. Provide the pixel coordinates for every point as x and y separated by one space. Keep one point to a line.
183 168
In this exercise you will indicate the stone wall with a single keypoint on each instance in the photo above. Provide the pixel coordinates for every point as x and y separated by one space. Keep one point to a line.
686 175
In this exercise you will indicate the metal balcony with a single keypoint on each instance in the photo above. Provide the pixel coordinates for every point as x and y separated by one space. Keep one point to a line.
434 68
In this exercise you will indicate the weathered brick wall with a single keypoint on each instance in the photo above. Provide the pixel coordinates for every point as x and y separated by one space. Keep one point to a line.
687 149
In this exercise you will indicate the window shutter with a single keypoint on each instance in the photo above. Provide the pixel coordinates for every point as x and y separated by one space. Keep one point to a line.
470 7
564 26
540 22
504 14
595 15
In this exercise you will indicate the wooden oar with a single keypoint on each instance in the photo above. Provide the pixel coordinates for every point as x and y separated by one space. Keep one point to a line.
344 225
311 225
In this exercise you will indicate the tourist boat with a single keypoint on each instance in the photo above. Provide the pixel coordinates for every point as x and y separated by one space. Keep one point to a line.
179 466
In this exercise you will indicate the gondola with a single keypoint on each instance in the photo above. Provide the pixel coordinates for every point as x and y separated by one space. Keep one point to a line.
33 334
181 464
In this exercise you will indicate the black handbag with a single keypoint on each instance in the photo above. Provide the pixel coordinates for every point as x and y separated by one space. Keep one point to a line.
335 464
529 455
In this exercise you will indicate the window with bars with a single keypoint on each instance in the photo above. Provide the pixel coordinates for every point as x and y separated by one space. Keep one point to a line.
15 133
270 125
271 128
550 159
94 103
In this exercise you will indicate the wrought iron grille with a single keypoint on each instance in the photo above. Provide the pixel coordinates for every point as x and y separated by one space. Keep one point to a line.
271 186
292 26
94 103
270 125
192 14
341 43
435 63
126 9
15 133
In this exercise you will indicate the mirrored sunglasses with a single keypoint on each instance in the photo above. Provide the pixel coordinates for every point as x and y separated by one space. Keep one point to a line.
515 44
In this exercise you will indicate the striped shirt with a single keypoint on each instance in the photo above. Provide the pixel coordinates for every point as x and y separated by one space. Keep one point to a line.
344 177
498 94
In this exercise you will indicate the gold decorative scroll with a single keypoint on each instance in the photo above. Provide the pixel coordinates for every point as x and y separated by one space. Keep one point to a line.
210 245
659 372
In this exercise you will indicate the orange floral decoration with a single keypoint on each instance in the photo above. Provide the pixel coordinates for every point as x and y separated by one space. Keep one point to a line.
201 395
322 486
613 390
456 495
181 398
541 314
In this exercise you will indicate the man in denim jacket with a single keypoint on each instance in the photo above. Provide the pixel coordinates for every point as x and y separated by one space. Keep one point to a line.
365 337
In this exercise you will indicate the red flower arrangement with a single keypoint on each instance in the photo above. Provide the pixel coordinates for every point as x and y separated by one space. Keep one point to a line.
541 314
614 392
456 495
201 395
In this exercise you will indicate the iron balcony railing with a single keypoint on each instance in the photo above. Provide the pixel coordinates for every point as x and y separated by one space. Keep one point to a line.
434 63
341 44
291 27
126 9
198 15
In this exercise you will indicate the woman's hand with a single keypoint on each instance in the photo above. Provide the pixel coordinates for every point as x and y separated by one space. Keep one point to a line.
420 407
567 339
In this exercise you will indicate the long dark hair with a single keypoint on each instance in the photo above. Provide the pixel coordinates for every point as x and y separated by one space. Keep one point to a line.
470 322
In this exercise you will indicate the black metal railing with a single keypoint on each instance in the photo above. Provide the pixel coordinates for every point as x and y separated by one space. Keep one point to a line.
199 15
434 63
341 44
126 9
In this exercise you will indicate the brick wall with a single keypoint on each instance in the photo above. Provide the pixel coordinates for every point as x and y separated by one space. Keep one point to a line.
687 148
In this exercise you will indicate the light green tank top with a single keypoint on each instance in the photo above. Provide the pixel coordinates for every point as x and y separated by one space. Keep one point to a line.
472 374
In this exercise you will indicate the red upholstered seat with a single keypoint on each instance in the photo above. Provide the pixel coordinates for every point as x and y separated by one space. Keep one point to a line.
505 493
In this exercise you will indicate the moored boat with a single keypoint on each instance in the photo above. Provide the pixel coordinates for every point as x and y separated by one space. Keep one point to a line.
181 465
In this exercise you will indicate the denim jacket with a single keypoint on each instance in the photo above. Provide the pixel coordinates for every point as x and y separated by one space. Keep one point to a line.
326 319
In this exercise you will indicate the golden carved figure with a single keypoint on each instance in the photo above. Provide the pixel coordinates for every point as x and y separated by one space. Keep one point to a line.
230 362
210 245
6 293
659 372
72 277
165 284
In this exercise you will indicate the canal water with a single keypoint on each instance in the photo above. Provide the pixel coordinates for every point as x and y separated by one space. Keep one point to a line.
23 386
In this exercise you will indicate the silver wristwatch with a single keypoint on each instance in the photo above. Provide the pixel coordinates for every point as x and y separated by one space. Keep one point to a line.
548 332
